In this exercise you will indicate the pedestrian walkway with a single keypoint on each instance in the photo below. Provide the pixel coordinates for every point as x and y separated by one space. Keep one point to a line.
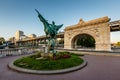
98 68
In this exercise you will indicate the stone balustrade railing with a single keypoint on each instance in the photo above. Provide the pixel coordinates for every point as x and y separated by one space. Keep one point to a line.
17 51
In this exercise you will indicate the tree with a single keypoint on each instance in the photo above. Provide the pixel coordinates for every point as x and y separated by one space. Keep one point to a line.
118 44
61 41
12 39
86 41
2 40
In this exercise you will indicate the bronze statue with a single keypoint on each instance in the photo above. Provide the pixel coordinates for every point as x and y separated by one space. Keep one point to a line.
50 31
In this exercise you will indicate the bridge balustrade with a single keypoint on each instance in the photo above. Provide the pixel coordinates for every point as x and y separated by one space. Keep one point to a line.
11 52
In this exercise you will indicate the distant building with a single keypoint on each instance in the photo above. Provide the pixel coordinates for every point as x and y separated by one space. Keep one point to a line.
32 36
23 37
12 39
18 35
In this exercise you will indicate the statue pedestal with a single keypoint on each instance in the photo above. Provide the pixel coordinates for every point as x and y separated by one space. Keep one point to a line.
49 55
45 49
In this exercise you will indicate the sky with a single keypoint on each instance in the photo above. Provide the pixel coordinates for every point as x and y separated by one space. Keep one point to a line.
20 14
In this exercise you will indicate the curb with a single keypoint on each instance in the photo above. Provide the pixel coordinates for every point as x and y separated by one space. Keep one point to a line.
98 53
13 67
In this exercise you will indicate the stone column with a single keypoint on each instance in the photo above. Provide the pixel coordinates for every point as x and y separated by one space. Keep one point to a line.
103 47
103 40
67 41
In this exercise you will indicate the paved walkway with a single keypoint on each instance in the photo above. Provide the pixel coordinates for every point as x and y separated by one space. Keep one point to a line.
98 68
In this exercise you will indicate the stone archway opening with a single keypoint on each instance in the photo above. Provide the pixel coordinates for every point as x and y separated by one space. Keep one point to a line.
83 41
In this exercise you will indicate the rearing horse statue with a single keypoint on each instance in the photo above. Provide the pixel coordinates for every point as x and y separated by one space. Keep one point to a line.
50 31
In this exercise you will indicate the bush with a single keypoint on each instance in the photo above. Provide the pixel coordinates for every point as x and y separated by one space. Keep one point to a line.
37 55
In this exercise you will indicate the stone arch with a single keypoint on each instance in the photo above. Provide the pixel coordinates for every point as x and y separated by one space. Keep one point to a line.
76 37
99 29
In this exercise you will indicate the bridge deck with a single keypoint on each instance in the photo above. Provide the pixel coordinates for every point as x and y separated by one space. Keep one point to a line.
115 26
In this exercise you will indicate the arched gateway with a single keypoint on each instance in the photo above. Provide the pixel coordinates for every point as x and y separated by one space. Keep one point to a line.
82 41
98 29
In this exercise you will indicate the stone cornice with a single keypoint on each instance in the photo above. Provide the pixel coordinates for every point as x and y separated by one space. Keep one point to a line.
88 23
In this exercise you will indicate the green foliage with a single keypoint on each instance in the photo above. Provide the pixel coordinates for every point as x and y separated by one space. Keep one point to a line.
86 41
2 40
37 55
118 44
77 54
61 42
46 64
43 42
